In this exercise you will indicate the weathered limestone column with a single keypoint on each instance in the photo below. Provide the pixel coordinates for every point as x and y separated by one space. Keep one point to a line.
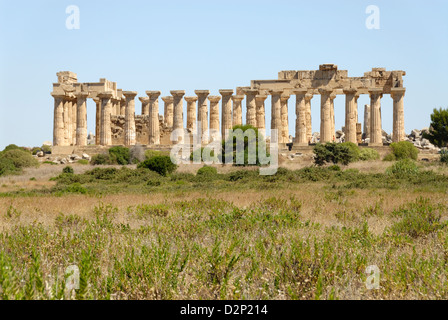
203 113
97 120
191 114
214 118
261 114
58 120
397 95
251 107
154 129
333 124
178 118
237 110
376 138
367 121
168 111
276 112
351 114
226 112
145 105
123 107
284 135
309 128
74 116
81 119
129 118
301 129
325 115
67 122
106 106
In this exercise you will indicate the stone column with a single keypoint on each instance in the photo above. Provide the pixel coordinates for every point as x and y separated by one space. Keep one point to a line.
276 114
58 121
333 125
191 114
203 113
153 109
129 118
325 115
397 95
309 128
237 110
81 125
351 114
226 112
74 116
376 137
168 111
366 121
284 135
178 118
145 105
97 120
301 129
214 118
67 121
106 107
123 107
261 114
251 106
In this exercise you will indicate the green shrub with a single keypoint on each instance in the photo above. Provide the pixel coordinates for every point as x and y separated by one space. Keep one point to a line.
11 147
76 188
119 155
366 154
160 164
390 157
35 150
404 150
403 168
100 159
153 153
444 156
83 161
343 153
7 166
20 158
242 175
207 173
334 167
68 169
46 148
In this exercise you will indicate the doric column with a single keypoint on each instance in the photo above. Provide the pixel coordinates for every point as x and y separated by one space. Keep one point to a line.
251 106
67 121
333 125
325 115
203 113
58 121
191 114
168 112
97 120
74 116
261 114
351 114
154 128
397 95
366 121
284 134
309 128
276 114
376 137
129 118
123 107
178 118
106 106
145 105
214 118
226 112
237 110
81 130
301 129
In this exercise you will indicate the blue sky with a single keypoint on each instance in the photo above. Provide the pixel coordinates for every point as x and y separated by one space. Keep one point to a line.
172 45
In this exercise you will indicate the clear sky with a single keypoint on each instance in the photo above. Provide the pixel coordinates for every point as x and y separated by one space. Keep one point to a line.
172 45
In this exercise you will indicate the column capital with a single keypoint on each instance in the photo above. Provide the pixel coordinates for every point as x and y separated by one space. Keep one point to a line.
168 99
82 95
57 95
214 98
130 94
237 98
325 91
261 97
350 91
333 96
397 92
308 97
375 92
191 99
284 97
178 93
250 92
143 99
202 92
226 92
276 92
300 91
153 94
105 95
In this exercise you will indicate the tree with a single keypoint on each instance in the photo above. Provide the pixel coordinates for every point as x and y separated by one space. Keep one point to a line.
438 131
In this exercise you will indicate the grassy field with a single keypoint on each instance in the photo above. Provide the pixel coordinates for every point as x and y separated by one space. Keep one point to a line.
308 233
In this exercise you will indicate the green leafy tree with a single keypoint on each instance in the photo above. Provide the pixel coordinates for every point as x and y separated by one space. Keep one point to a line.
438 131
160 164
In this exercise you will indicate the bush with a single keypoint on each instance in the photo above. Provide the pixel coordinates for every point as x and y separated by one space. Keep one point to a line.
100 159
119 155
444 156
46 149
83 161
343 153
160 164
11 147
35 150
152 153
7 166
206 173
20 158
389 157
366 154
404 150
403 168
68 169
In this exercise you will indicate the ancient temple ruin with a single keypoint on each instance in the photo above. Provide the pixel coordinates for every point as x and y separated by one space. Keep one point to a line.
117 123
